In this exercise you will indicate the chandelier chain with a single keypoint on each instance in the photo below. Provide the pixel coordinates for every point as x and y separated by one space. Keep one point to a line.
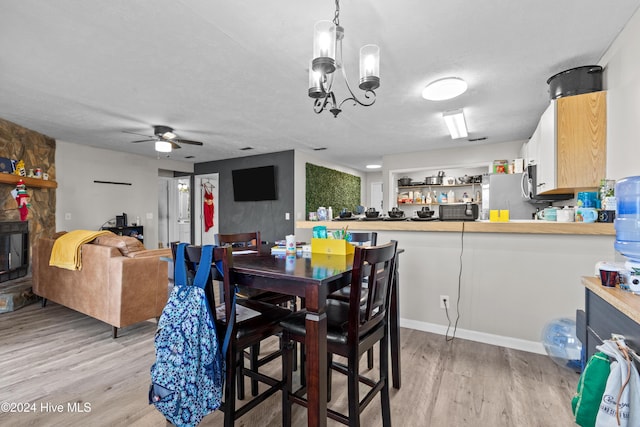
336 17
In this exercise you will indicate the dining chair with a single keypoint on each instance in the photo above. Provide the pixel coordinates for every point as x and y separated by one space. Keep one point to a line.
352 329
369 238
254 321
251 241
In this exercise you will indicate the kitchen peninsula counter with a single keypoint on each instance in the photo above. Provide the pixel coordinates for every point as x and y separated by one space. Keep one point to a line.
526 227
507 279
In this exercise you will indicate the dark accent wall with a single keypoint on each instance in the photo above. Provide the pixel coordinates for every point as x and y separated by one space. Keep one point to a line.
268 217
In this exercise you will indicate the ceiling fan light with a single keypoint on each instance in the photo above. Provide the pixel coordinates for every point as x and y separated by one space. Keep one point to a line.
445 88
163 146
456 123
169 135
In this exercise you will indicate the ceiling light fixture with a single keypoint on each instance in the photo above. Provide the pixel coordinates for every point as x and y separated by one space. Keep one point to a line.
327 57
446 88
456 123
373 166
163 146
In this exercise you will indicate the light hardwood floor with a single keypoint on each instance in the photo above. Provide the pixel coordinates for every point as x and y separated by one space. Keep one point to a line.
55 356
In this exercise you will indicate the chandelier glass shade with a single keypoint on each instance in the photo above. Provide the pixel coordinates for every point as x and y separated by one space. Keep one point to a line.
327 58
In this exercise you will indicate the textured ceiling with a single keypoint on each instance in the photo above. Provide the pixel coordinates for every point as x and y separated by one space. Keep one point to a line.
234 74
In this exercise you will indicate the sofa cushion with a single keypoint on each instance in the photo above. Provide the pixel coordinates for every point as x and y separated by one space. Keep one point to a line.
125 244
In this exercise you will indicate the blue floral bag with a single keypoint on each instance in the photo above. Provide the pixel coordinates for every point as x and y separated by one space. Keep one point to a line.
187 377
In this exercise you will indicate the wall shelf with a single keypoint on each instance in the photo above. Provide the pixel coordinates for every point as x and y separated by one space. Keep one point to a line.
410 187
8 178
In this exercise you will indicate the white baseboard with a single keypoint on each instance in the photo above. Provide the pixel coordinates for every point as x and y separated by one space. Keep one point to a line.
508 342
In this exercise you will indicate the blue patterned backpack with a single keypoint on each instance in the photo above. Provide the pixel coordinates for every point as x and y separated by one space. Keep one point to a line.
187 377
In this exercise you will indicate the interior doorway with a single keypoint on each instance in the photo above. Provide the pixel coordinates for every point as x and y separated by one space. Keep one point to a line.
174 210
206 208
376 197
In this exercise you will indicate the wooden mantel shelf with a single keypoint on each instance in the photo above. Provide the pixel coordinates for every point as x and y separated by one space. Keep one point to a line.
7 178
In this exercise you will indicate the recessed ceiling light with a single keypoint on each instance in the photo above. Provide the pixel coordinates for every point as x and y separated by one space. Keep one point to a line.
456 123
373 166
446 88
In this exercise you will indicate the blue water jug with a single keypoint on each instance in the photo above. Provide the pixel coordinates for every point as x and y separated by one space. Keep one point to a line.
627 222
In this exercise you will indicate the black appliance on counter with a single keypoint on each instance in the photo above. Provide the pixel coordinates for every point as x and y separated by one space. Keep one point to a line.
458 212
530 186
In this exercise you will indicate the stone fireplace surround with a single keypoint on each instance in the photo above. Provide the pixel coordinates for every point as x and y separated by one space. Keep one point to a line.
37 150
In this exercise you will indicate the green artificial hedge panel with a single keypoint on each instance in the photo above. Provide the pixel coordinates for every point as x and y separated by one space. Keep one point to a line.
328 187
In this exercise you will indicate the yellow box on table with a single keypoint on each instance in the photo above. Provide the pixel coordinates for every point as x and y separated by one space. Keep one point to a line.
331 246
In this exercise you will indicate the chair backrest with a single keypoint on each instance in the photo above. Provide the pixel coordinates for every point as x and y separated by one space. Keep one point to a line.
376 266
239 241
223 257
360 237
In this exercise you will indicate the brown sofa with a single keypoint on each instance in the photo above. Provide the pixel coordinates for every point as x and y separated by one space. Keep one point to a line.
120 283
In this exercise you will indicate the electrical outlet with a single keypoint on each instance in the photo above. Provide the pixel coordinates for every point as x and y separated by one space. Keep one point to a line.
445 302
287 216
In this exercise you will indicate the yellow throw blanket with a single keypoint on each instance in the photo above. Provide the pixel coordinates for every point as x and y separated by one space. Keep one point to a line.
66 249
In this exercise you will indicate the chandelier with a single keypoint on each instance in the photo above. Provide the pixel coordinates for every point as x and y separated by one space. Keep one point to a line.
327 57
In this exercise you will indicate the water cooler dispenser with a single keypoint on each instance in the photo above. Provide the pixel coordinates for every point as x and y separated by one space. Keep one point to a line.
627 226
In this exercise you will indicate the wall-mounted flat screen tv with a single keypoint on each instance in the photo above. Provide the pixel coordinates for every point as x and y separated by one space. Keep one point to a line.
254 184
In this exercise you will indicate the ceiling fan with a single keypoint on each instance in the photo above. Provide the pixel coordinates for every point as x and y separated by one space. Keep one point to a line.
165 139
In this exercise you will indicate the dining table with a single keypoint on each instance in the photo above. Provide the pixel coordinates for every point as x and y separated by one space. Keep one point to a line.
312 277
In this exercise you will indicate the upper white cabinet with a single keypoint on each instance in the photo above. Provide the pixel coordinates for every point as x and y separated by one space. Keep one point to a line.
570 145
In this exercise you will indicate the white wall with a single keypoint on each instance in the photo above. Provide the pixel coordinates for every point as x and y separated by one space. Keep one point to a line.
90 205
622 81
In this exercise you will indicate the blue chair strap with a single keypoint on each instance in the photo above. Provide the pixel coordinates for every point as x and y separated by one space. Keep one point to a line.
180 270
204 267
232 319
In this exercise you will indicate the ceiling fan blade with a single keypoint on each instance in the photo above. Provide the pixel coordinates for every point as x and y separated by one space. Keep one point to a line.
174 145
139 134
144 140
186 141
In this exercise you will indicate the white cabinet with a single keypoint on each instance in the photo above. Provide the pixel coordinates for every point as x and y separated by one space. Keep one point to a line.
569 145
546 154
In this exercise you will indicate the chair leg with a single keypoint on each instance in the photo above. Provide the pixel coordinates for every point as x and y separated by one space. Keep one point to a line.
254 353
370 358
303 366
287 370
329 362
114 332
353 390
384 376
240 376
229 388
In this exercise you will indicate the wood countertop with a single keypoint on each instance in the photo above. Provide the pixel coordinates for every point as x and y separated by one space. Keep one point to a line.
625 301
525 227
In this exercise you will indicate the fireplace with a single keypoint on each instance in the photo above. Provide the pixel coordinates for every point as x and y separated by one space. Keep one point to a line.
14 249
